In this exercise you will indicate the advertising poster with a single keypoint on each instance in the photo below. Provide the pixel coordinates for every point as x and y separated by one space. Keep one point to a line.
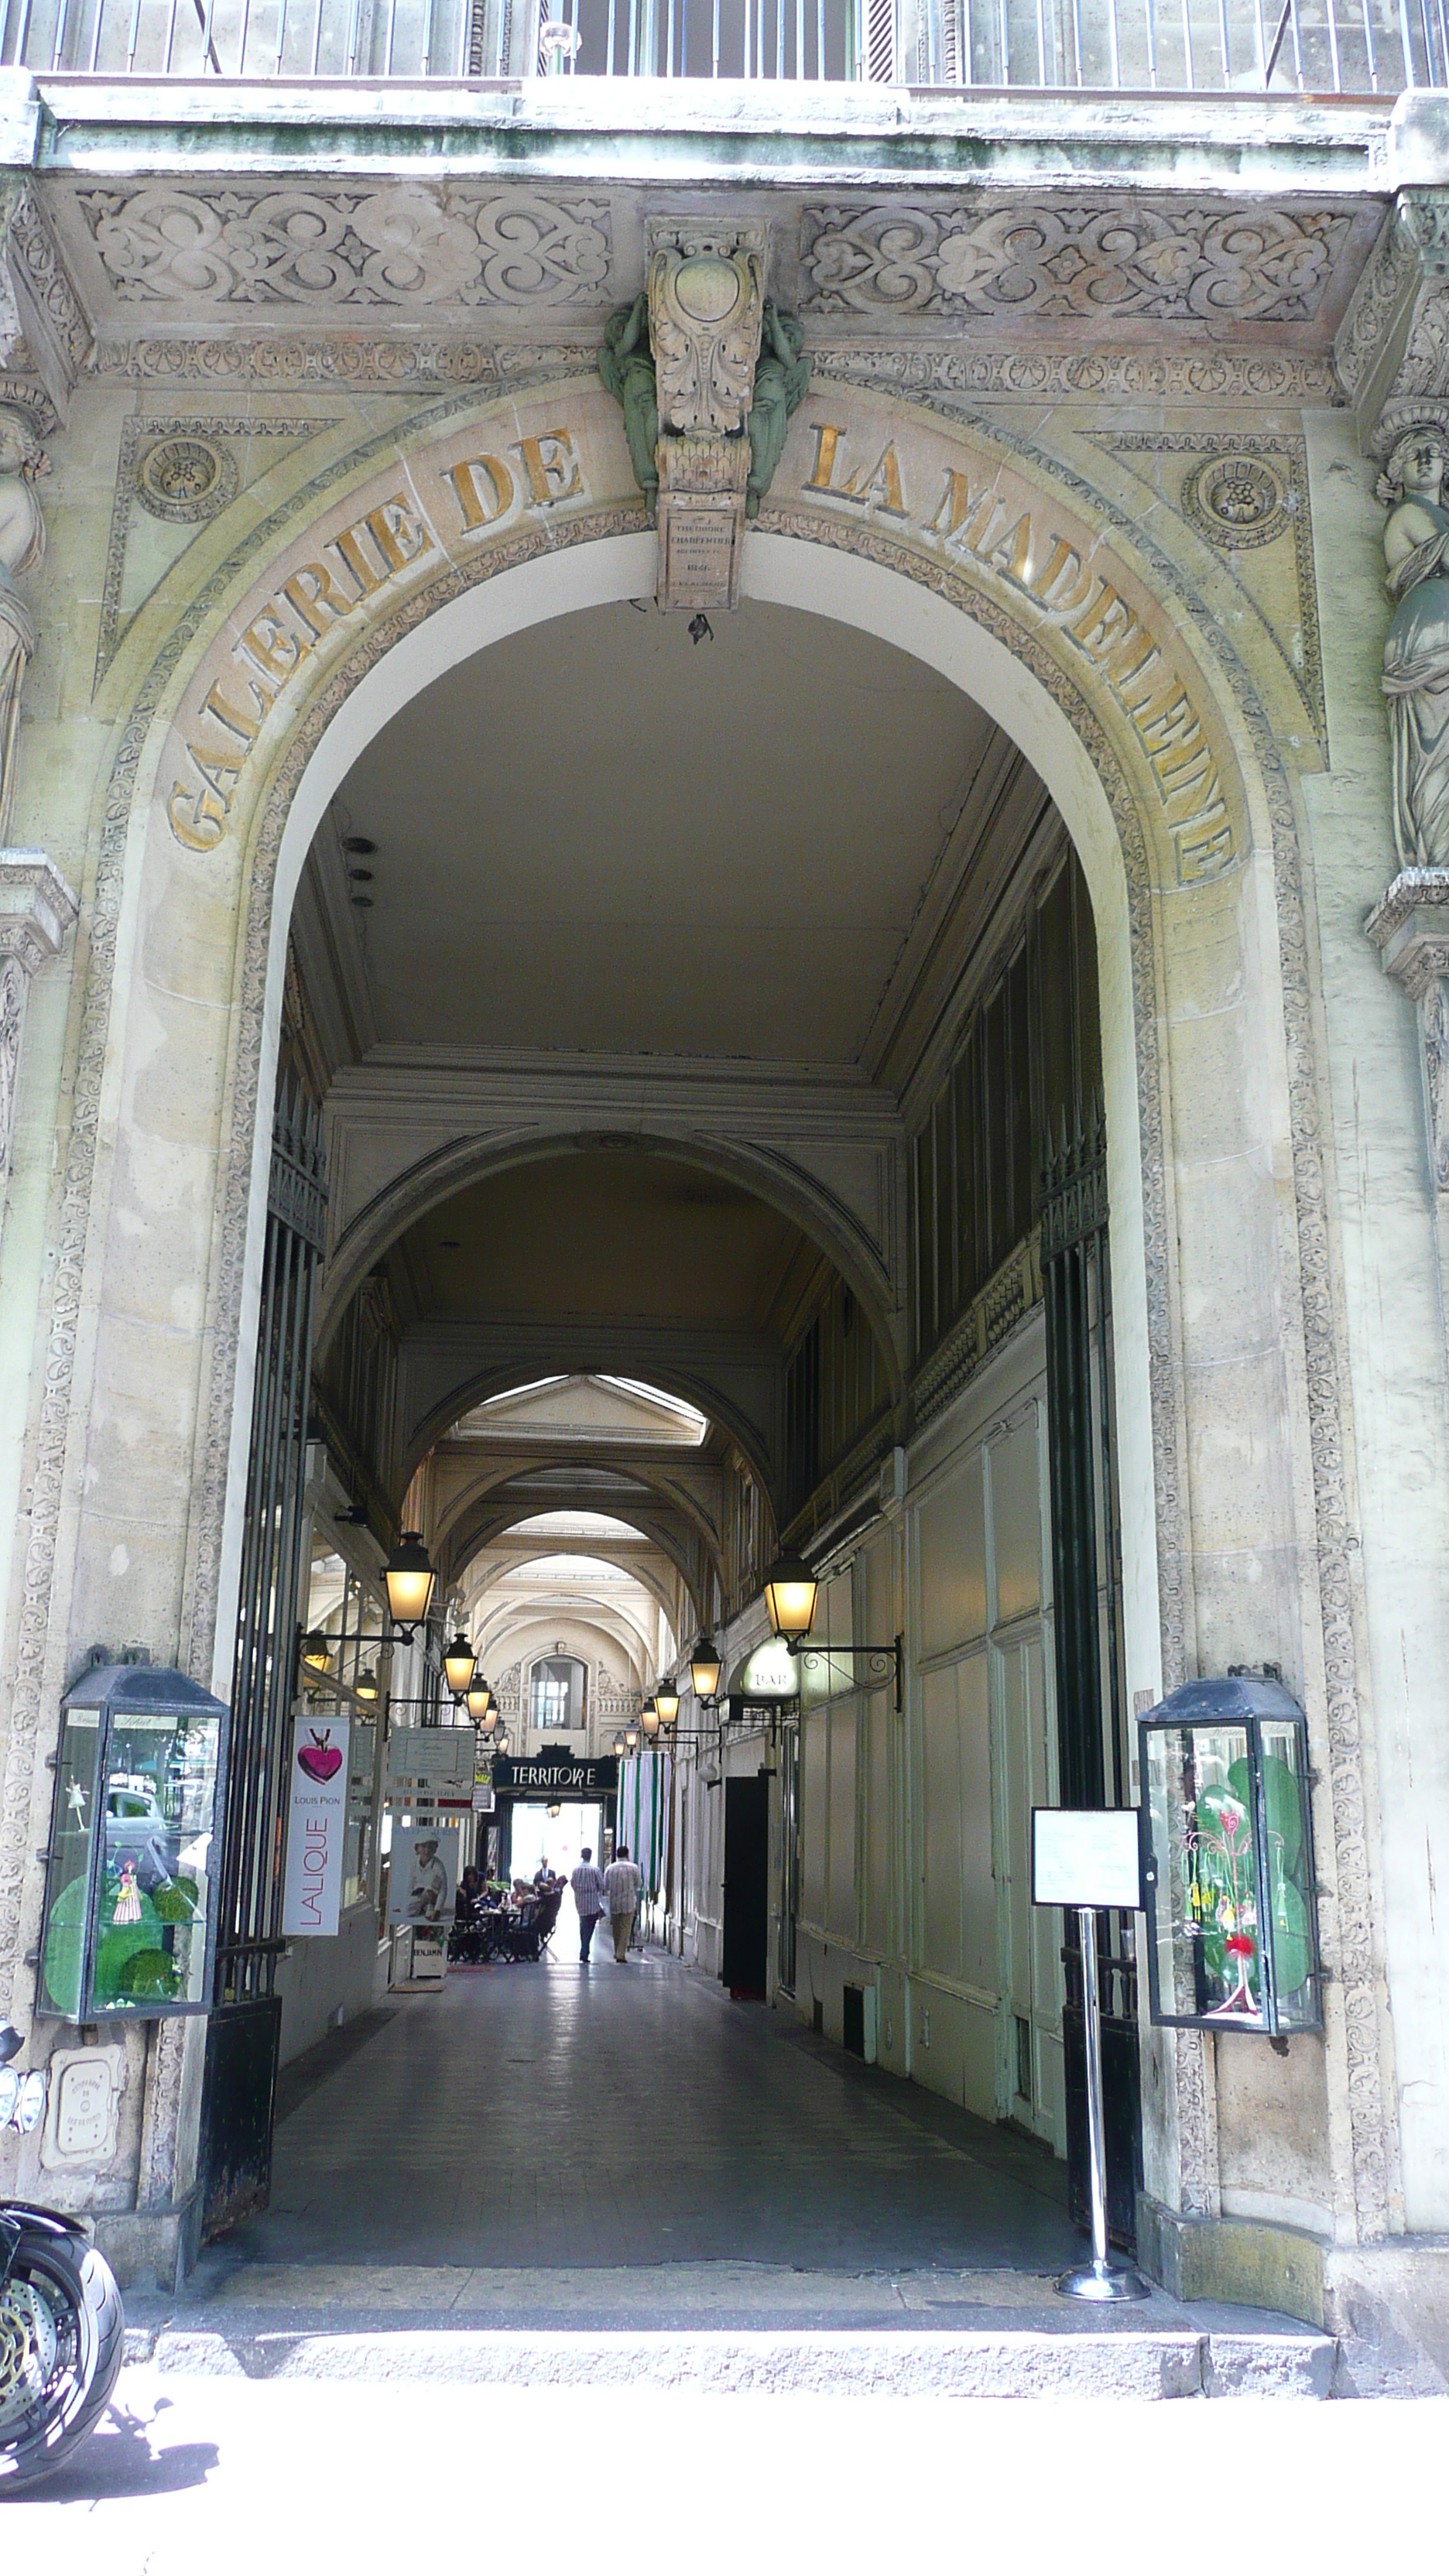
316 1827
422 1875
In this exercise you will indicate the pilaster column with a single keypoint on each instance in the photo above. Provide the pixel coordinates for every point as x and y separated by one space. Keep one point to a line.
37 909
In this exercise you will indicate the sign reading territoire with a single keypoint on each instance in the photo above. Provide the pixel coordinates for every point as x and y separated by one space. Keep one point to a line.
950 497
316 1827
558 1773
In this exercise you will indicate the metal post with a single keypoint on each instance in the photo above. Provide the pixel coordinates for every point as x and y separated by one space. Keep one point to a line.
1101 2279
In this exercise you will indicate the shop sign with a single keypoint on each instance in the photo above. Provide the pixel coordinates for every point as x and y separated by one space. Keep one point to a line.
558 1774
316 1828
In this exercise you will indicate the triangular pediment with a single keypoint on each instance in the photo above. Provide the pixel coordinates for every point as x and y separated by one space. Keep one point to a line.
585 1409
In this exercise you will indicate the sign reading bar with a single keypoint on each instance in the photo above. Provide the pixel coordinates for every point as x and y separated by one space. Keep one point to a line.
316 1828
558 1773
1086 1856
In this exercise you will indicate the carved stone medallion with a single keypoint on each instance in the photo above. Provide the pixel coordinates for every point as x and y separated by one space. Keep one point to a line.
1237 500
186 479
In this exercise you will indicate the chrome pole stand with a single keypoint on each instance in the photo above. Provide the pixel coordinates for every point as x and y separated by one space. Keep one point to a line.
1102 2279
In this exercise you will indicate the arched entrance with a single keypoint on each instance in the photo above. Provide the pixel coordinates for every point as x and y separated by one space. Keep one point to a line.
955 552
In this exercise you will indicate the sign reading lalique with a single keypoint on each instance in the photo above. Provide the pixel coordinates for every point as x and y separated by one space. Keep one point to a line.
316 1828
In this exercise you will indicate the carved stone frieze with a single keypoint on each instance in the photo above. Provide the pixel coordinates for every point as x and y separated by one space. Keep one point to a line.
1392 349
1091 261
1086 375
45 338
346 248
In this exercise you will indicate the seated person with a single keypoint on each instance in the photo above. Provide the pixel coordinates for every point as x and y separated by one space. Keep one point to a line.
465 1902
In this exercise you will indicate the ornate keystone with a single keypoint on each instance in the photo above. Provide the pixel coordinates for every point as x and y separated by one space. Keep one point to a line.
707 372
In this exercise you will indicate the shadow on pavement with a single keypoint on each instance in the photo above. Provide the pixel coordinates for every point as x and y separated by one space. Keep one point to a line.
124 2458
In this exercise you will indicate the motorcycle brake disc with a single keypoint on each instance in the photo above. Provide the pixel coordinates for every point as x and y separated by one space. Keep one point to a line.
28 2348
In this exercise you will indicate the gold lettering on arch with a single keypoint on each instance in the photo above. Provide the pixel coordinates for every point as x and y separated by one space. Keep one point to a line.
313 599
1087 609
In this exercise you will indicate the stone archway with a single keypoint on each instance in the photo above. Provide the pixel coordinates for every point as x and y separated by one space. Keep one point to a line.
931 532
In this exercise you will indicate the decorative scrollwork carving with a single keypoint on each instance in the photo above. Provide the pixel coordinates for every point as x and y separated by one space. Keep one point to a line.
1083 261
348 248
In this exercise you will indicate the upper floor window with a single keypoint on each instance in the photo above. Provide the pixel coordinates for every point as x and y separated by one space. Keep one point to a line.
556 1698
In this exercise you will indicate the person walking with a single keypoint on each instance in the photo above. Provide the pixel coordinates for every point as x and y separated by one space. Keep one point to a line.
622 1883
588 1887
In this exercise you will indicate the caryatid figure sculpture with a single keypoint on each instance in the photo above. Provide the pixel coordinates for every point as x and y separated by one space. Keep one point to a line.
22 543
1416 649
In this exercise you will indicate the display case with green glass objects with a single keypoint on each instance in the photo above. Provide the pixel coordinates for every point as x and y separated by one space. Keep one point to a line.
129 1923
1232 1931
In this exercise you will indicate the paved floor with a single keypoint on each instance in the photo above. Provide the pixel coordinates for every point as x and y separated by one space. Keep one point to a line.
552 2118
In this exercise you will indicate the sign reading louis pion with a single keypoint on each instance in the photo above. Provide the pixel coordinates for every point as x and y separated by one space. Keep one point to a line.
558 1775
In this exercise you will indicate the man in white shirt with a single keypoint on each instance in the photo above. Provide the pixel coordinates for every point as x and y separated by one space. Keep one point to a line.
622 1883
588 1887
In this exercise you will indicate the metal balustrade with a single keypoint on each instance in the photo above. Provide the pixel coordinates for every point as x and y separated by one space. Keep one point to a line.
1318 47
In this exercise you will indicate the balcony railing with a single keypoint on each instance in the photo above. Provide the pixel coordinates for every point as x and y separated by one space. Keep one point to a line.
1352 48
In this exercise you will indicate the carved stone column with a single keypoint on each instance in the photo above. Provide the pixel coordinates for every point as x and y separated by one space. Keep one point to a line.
37 909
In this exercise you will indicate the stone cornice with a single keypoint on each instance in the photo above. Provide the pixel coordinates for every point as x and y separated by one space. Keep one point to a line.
749 134
402 1084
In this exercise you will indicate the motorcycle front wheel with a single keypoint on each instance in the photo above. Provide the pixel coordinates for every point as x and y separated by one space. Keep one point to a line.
62 2334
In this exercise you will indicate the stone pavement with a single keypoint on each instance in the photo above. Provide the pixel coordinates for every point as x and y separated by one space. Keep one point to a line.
553 2118
546 2178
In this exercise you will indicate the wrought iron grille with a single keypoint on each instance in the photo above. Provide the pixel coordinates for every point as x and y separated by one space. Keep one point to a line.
249 1939
1087 1635
1345 47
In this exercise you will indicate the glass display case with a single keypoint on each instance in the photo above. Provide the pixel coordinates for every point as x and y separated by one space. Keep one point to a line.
1232 1928
130 1898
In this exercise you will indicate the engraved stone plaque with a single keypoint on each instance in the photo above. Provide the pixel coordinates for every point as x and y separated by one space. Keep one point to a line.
699 538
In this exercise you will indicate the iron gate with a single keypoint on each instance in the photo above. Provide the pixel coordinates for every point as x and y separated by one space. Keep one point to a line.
244 2027
1087 1591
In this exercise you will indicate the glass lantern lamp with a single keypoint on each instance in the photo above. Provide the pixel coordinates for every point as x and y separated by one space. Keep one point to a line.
1232 1927
129 1928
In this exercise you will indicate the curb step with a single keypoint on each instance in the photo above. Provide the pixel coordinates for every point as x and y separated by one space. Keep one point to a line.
977 2362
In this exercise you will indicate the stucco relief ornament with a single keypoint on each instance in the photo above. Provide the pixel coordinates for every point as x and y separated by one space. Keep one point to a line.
22 543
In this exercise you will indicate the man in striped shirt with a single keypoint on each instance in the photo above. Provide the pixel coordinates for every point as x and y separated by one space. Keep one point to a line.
588 1887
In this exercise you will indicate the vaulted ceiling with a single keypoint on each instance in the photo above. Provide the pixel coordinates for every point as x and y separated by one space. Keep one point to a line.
602 835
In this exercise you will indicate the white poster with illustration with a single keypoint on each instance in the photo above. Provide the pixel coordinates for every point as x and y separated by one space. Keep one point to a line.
316 1827
422 1874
